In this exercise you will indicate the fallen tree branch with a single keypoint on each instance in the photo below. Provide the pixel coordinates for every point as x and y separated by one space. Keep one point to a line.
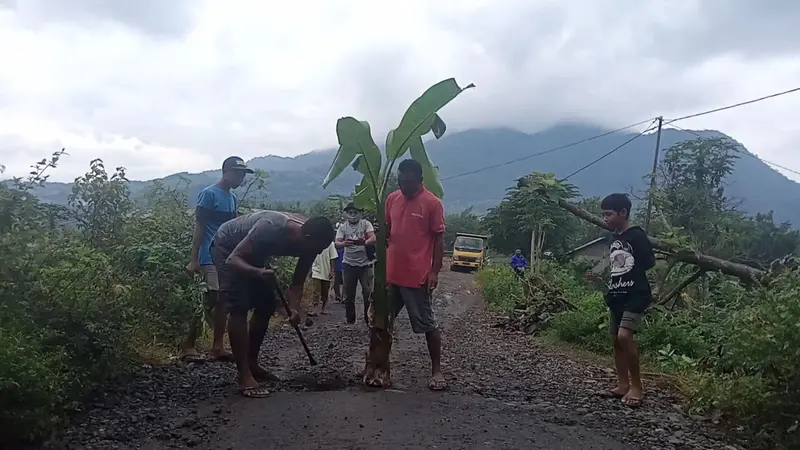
708 263
675 292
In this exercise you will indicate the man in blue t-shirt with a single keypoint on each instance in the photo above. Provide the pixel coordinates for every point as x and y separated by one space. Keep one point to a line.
216 205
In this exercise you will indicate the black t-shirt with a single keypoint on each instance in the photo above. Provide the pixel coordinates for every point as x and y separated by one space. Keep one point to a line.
631 257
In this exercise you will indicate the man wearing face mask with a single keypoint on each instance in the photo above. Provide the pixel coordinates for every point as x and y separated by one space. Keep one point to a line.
355 235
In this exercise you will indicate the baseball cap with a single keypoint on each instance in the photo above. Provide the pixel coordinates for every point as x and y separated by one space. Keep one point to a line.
235 163
351 206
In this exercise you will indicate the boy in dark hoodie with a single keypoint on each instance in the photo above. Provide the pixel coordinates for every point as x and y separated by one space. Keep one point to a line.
628 294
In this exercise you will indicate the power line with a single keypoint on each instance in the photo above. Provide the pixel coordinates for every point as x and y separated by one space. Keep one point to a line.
741 152
609 153
711 111
562 147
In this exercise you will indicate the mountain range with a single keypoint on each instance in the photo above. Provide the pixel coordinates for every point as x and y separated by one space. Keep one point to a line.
757 185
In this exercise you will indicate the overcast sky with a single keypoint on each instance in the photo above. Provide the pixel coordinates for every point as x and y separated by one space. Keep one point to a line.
168 86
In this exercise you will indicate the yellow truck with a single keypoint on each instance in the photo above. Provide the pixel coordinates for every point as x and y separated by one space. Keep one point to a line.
469 251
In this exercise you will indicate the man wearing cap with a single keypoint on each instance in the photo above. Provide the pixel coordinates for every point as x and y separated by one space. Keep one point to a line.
354 235
216 204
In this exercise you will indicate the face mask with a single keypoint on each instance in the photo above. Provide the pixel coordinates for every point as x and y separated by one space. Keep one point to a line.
353 216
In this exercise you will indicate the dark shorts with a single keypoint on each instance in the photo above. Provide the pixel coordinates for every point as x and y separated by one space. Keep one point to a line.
418 303
243 293
623 319
627 311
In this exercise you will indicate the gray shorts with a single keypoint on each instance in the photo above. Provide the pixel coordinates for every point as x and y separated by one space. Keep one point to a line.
418 304
209 272
623 319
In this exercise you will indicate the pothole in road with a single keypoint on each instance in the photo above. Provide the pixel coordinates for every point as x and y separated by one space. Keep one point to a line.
312 383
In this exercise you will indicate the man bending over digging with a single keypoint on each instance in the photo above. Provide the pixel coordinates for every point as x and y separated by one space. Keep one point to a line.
240 250
628 295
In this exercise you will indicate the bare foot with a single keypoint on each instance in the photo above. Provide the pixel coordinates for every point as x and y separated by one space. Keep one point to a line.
220 354
251 388
437 382
633 398
263 375
617 392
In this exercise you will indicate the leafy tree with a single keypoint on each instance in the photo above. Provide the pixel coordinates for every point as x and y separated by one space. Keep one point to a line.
101 204
585 232
94 287
330 207
358 149
523 212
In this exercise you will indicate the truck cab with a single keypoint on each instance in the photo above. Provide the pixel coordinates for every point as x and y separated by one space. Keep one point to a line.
469 251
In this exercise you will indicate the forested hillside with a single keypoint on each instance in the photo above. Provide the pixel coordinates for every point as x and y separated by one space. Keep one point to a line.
761 188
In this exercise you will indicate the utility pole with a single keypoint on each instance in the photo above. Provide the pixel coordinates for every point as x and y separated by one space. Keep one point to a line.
653 177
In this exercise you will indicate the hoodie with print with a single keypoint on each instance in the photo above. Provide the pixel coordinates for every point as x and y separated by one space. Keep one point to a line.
631 257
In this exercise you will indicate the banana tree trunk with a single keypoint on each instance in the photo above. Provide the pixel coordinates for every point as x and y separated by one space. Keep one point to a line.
377 370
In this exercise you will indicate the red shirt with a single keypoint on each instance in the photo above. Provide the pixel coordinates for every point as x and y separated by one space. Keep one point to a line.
412 224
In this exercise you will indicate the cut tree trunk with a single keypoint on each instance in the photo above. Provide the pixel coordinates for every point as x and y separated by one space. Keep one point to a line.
708 263
377 368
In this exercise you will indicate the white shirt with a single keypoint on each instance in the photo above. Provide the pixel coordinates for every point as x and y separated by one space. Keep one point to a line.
321 269
355 255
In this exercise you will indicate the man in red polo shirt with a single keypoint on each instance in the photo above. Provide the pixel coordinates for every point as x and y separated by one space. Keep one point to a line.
415 229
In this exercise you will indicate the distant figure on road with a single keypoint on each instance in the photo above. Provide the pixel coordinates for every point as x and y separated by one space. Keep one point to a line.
415 229
355 235
322 273
216 204
519 263
628 295
240 251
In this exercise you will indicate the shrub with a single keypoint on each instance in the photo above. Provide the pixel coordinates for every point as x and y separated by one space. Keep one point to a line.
501 287
85 288
586 326
32 385
756 375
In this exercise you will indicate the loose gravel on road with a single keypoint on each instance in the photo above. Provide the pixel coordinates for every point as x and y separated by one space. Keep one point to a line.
506 390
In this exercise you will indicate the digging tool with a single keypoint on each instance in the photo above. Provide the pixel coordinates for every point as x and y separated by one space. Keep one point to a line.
311 359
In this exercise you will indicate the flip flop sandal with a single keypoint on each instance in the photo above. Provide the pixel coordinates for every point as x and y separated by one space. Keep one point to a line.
632 402
224 357
437 385
610 394
192 358
255 392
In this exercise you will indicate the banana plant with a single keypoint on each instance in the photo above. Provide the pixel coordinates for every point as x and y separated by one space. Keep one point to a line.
358 150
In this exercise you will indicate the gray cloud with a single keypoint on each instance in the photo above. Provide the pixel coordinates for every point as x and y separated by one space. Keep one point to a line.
263 85
160 18
751 28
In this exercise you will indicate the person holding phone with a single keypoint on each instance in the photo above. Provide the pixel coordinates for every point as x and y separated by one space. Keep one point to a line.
355 234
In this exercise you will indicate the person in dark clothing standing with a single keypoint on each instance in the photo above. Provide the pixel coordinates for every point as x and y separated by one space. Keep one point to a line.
240 251
628 295
355 235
